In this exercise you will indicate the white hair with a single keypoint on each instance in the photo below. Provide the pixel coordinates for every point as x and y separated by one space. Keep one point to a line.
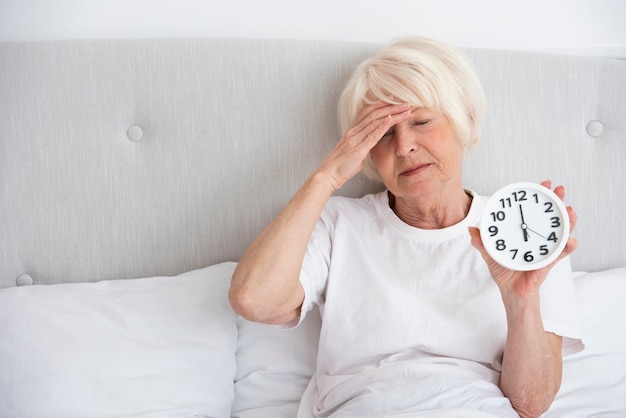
421 72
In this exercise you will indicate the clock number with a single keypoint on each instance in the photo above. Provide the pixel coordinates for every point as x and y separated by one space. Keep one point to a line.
556 222
500 245
514 253
520 196
543 250
536 198
498 216
493 231
528 256
548 206
552 237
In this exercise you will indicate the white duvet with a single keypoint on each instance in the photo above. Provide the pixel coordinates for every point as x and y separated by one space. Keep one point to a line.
170 347
411 386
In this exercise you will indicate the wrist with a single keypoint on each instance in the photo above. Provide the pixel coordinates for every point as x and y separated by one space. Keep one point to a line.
519 306
326 181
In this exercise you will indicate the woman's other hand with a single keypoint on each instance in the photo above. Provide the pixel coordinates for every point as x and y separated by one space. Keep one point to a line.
522 283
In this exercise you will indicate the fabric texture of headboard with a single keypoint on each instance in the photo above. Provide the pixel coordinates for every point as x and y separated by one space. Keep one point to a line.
123 159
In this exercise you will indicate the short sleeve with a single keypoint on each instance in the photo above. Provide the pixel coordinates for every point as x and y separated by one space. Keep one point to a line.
560 309
314 271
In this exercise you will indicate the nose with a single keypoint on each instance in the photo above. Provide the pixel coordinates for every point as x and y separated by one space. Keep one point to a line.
405 142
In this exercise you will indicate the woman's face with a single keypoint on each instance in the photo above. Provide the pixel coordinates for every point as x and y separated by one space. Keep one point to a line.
420 155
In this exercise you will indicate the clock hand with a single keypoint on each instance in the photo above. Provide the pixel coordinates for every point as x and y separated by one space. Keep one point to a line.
524 226
536 232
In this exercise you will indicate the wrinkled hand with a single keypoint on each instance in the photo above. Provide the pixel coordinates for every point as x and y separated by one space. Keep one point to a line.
523 283
347 158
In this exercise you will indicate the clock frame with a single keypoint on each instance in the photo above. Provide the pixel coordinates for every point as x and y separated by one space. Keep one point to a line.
524 226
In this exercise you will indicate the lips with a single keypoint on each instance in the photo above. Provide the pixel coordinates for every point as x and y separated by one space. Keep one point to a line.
416 169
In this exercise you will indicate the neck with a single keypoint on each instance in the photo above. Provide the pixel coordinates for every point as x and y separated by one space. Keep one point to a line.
435 213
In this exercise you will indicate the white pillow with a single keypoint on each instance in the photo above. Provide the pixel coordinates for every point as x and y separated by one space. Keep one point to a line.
274 367
594 380
160 346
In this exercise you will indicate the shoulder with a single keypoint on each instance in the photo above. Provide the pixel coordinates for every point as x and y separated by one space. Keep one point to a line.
342 204
477 207
340 210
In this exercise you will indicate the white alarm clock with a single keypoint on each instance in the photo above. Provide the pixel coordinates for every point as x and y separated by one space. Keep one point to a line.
524 226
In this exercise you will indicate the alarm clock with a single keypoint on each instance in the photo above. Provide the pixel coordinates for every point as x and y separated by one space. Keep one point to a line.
524 226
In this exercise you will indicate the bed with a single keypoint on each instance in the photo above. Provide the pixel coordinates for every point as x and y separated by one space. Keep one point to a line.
134 173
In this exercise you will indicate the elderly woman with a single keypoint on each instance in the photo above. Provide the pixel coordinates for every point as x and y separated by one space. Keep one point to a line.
415 315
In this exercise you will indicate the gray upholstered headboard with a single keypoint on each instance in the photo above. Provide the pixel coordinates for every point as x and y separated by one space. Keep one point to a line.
123 159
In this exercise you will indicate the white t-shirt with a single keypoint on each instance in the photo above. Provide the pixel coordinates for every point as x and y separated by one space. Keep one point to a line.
412 322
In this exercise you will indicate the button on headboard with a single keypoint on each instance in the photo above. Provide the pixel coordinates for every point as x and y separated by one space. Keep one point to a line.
137 158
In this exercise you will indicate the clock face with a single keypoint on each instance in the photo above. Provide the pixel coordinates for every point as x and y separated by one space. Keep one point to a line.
524 226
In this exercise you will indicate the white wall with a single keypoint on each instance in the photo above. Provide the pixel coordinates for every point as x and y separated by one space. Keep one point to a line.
581 26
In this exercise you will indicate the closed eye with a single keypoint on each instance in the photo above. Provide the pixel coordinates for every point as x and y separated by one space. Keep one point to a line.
415 123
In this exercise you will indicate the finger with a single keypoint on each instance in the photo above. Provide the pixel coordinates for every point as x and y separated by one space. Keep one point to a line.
382 116
376 130
476 240
560 192
371 131
572 243
570 247
370 134
377 112
381 107
573 218
477 243
367 110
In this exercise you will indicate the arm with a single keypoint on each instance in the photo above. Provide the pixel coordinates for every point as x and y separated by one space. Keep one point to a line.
265 286
532 362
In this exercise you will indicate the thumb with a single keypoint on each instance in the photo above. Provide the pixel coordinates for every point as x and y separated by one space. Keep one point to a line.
476 239
477 242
